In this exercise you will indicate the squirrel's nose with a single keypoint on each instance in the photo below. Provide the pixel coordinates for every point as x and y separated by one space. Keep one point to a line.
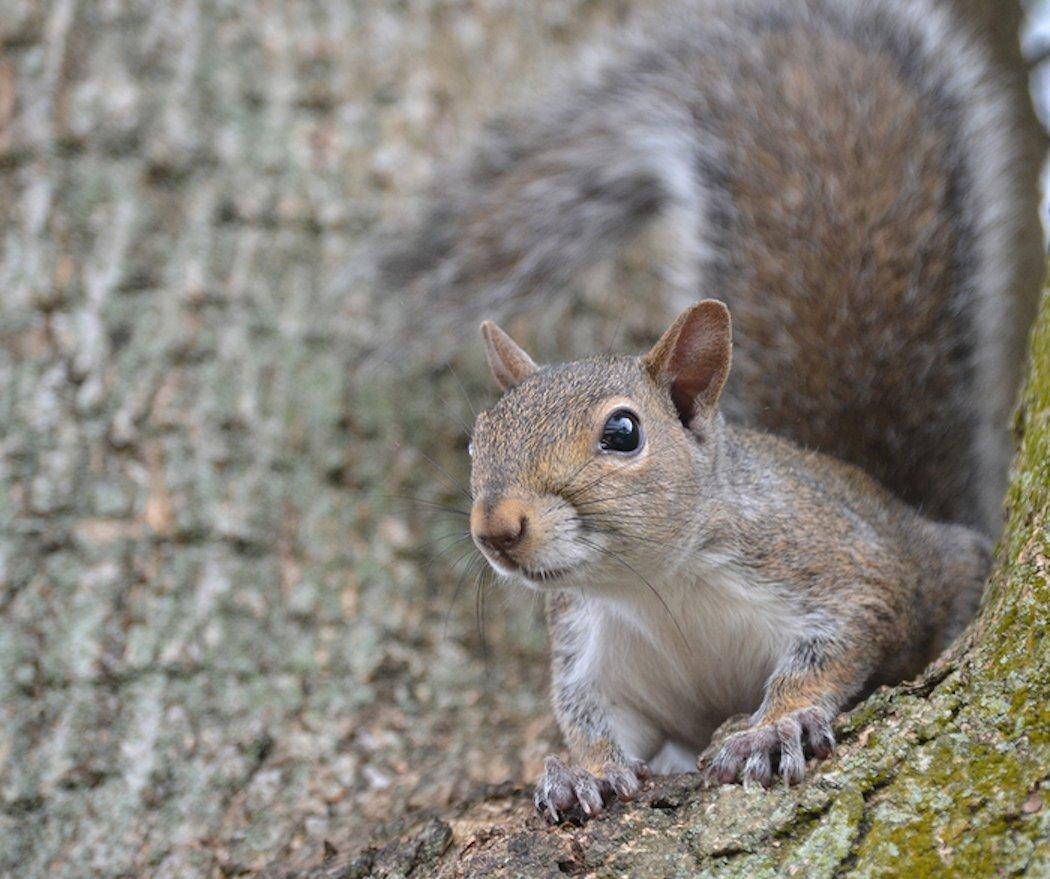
500 526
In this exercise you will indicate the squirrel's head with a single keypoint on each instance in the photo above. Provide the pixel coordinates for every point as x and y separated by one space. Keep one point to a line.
583 472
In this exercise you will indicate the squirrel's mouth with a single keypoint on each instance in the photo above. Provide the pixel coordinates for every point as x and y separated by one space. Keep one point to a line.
540 575
504 564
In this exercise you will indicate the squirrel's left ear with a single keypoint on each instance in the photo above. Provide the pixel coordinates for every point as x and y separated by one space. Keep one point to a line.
693 357
509 363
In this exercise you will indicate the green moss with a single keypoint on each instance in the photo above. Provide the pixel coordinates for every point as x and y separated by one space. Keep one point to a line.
948 811
823 850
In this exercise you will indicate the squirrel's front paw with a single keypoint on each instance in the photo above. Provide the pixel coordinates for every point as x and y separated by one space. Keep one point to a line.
766 750
570 791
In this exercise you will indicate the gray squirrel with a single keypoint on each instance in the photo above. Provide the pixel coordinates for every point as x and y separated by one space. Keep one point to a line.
837 173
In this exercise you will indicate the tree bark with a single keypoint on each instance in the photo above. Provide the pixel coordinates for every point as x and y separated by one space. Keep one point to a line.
947 776
225 642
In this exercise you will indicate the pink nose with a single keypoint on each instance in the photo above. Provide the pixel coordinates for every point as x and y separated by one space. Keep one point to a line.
500 527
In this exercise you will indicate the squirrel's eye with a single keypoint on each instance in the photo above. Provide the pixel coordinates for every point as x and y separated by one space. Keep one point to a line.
622 432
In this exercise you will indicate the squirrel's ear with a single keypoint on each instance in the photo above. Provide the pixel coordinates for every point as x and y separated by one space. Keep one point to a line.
510 364
693 357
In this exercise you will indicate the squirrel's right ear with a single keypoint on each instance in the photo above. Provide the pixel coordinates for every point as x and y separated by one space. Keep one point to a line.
509 363
693 357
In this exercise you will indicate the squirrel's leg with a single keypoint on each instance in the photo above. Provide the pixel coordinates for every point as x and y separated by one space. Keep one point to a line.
810 685
600 769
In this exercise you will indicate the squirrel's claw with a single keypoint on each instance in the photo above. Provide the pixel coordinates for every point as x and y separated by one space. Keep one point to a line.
763 752
626 779
564 790
570 791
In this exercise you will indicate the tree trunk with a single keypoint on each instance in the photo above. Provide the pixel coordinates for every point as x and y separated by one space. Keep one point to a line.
949 776
223 643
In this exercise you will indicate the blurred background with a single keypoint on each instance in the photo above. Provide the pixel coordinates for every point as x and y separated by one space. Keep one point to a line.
239 619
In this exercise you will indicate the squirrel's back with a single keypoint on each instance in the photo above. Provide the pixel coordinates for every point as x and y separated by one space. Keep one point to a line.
837 171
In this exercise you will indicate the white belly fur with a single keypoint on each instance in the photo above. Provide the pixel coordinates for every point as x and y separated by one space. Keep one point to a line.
667 686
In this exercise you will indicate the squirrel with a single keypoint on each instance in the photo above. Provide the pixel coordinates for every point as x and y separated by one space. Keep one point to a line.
839 174
696 569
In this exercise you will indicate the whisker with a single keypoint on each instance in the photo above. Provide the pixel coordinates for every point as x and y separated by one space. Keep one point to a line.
675 492
672 532
615 516
459 535
614 343
426 503
444 552
479 615
459 585
601 509
466 396
568 480
622 534
642 492
570 496
449 410
455 483
615 556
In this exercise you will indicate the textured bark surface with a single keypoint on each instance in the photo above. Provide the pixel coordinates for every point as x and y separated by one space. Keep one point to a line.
227 640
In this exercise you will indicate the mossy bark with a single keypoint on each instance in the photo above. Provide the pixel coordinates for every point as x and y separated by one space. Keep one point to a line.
947 776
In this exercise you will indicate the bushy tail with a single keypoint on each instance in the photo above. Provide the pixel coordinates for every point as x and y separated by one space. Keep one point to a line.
542 198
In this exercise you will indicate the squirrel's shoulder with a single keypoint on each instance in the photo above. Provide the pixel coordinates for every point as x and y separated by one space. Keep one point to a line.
812 482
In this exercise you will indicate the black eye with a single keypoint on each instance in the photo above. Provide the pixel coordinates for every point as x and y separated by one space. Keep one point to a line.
622 432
